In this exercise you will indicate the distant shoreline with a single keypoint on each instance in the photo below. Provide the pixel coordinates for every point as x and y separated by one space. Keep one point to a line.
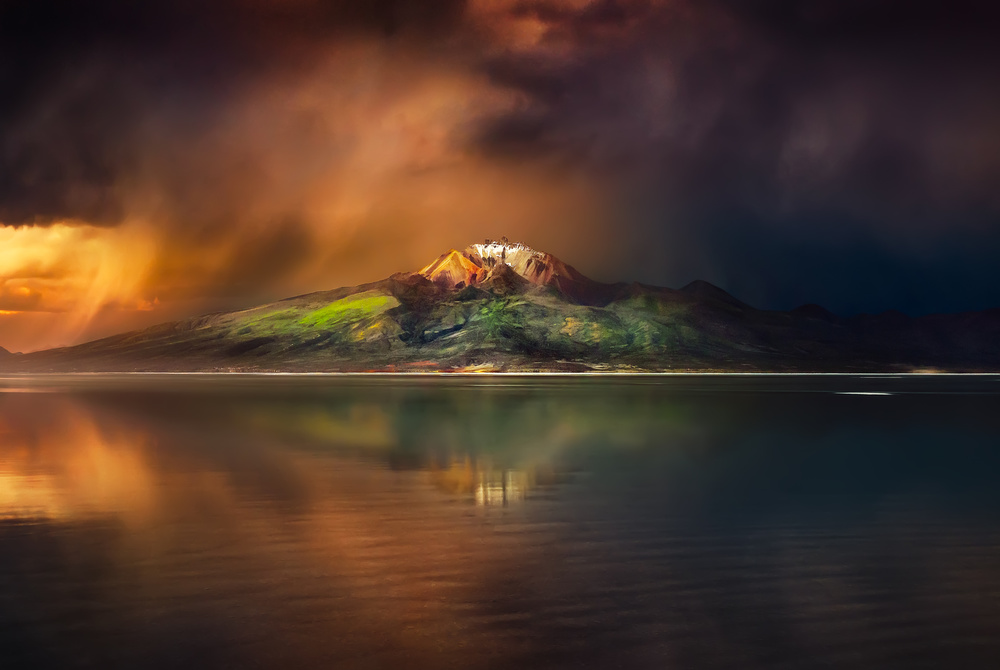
21 375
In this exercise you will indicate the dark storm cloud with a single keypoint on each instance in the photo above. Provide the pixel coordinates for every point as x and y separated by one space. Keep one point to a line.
82 81
783 124
758 101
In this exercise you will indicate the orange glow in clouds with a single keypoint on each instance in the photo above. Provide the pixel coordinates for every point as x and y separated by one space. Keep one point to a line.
360 165
54 280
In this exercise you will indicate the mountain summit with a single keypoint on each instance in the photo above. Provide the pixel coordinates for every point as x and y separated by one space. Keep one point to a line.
503 306
490 263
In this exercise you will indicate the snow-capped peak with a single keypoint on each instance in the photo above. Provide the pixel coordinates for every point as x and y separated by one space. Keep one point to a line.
506 252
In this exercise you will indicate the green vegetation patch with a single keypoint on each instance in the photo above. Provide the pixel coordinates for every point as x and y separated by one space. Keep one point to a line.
500 320
351 308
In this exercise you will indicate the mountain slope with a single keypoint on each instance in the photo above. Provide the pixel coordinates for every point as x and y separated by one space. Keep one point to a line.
509 307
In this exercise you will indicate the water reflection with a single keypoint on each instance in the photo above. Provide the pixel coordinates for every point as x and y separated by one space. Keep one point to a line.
170 523
489 487
62 465
501 488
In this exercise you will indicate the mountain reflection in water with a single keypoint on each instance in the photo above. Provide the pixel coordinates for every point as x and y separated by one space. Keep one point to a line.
161 522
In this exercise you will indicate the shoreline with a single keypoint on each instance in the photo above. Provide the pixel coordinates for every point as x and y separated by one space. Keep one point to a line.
442 374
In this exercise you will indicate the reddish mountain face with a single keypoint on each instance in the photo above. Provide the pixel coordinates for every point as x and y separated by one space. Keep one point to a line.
495 263
455 269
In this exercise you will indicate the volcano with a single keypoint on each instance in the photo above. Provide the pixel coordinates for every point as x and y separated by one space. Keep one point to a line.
498 306
494 263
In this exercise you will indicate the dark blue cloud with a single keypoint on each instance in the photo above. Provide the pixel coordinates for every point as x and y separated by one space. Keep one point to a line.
793 151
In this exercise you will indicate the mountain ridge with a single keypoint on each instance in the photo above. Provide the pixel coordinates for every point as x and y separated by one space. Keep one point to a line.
477 264
507 307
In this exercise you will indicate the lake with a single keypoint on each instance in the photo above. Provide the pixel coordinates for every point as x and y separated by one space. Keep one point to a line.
703 521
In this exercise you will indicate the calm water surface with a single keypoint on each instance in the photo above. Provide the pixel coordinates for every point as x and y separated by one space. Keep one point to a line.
339 522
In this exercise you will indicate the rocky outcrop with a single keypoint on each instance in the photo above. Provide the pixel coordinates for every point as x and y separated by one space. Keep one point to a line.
494 261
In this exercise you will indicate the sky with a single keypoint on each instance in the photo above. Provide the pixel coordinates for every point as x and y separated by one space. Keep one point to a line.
167 158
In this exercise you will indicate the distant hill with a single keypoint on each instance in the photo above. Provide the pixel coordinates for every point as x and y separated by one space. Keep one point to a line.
497 306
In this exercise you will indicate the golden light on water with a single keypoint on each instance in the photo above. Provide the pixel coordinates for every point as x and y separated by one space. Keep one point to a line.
160 501
74 470
488 486
501 488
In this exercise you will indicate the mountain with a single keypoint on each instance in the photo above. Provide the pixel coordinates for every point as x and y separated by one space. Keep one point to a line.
514 266
499 306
